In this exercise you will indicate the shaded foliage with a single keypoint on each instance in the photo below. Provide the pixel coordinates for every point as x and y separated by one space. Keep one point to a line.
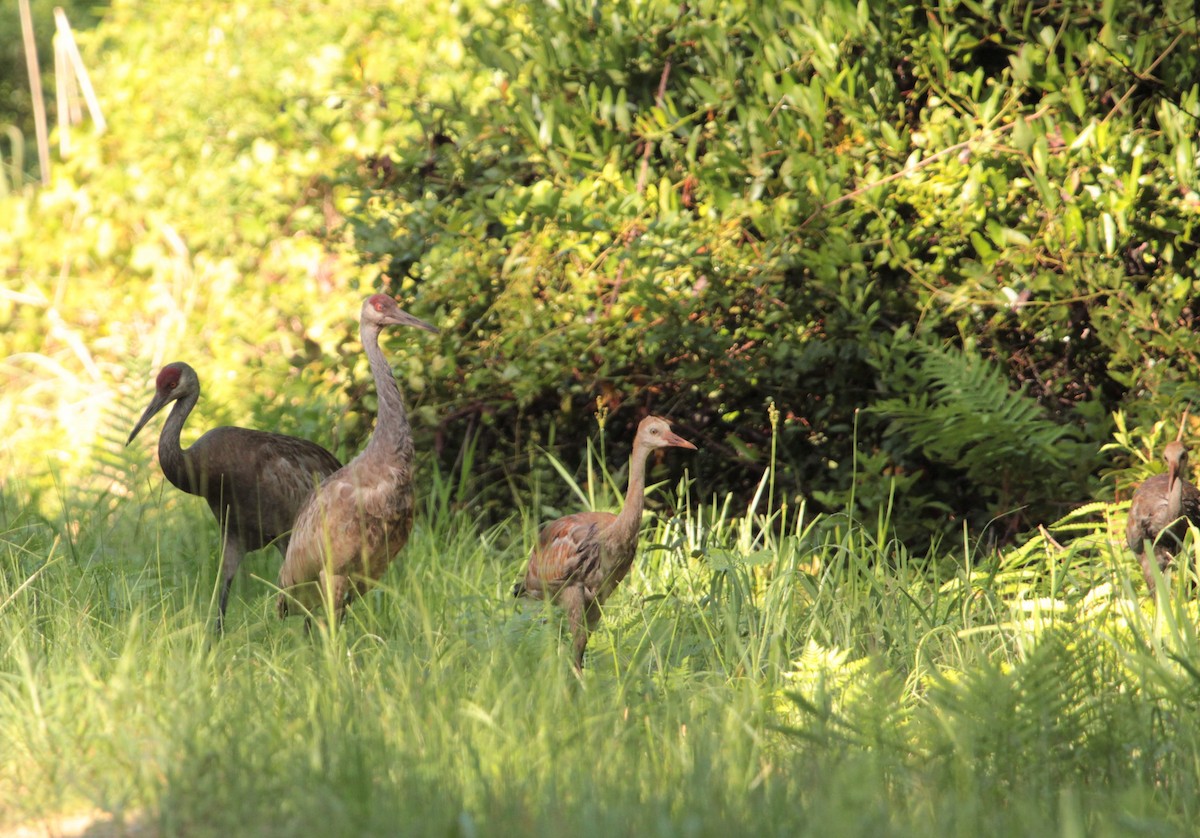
695 208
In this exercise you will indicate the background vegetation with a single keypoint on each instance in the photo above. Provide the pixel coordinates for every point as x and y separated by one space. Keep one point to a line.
925 273
947 244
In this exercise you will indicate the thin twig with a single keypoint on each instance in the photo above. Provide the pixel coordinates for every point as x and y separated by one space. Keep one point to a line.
612 295
1141 77
1050 540
648 145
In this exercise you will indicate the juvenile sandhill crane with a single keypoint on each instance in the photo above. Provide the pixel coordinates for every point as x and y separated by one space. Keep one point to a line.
580 559
360 517
1161 509
254 481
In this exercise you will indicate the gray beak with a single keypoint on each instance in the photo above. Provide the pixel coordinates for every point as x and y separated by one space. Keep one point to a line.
403 318
156 404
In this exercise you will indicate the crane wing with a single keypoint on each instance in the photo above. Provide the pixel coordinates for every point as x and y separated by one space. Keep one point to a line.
567 550
263 477
337 529
321 533
1147 512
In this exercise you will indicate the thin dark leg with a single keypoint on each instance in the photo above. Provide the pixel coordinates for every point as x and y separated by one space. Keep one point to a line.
229 566
571 600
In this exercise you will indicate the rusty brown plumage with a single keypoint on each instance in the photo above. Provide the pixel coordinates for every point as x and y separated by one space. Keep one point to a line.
1160 511
580 559
360 517
254 481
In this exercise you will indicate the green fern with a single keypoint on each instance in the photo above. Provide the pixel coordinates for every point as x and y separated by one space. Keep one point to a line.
967 417
110 488
1060 709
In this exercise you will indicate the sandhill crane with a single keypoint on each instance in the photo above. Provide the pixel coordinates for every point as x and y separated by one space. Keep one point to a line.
360 517
1161 509
254 481
580 559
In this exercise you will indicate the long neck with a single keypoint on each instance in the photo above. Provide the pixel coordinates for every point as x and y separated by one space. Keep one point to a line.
626 527
392 431
1175 496
171 457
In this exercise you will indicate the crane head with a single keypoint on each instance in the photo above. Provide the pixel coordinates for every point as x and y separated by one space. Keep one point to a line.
655 432
381 310
174 381
1176 456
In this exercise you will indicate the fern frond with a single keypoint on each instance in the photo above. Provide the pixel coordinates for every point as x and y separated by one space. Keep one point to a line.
970 418
115 468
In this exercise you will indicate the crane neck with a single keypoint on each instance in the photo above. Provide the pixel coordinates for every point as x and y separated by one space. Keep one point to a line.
1175 497
392 432
629 521
173 460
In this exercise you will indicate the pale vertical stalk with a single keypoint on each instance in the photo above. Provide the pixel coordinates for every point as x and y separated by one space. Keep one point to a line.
80 72
35 91
60 99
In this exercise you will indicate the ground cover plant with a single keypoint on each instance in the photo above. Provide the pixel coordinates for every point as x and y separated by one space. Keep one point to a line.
918 281
765 671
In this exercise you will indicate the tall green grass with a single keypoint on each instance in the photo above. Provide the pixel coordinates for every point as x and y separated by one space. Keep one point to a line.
764 670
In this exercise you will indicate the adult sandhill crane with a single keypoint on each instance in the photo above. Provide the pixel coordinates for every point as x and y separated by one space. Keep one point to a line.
254 481
580 559
1161 509
360 517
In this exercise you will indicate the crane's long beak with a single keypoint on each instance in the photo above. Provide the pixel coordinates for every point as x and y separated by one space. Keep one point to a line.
156 404
403 318
1172 474
675 439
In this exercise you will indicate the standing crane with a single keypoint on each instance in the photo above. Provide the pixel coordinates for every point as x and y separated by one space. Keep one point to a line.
580 559
1160 511
359 519
254 481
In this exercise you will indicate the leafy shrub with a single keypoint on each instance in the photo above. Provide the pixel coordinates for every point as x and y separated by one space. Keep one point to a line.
700 213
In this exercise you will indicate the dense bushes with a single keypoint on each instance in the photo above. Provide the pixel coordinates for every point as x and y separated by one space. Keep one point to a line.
946 243
707 209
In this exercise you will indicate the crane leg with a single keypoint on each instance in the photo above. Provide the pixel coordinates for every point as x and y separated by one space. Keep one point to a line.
1160 556
229 566
1144 559
571 599
337 588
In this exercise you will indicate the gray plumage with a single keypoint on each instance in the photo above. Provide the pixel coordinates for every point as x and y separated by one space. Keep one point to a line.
1160 511
359 519
254 481
580 559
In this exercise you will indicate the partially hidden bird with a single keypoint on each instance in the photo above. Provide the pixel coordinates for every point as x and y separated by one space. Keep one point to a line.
1160 511
360 517
254 481
580 559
